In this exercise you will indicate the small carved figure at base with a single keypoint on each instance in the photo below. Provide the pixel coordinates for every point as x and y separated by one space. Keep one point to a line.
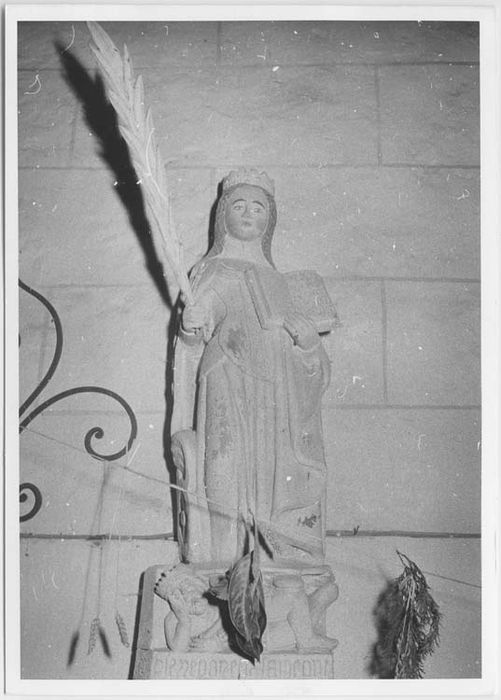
192 623
291 624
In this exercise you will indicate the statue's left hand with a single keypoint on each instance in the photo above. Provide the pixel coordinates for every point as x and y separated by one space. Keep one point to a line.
303 332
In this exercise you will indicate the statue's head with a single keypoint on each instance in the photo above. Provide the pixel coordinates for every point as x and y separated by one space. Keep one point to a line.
246 210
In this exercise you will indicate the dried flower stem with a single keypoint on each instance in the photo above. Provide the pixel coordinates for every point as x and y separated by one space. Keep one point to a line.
94 629
122 629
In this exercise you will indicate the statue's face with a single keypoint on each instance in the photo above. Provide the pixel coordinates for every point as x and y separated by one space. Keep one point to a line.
246 214
196 602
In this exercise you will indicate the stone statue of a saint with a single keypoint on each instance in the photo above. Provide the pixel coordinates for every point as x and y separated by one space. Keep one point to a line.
250 372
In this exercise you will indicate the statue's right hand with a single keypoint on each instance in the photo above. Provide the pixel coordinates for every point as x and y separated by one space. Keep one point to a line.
194 318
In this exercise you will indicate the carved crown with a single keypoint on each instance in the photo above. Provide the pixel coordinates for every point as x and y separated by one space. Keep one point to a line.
249 176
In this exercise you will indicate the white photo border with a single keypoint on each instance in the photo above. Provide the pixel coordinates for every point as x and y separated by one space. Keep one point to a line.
488 15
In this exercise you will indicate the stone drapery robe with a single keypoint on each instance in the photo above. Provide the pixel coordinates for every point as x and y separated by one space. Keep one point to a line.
254 405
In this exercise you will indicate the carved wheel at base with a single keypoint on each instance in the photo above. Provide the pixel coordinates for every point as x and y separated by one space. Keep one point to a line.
183 453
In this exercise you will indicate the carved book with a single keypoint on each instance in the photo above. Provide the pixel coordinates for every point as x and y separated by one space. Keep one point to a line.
307 295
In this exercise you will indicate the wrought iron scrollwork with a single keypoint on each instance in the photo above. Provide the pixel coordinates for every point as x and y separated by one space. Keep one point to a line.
23 497
95 433
57 352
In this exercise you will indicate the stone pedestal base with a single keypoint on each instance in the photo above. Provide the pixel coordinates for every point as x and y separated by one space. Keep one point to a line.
160 664
279 660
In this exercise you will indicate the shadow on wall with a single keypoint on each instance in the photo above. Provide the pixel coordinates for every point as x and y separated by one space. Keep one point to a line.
132 664
383 656
174 323
101 118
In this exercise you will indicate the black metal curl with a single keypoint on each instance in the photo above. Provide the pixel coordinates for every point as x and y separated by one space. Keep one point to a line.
57 352
94 433
26 486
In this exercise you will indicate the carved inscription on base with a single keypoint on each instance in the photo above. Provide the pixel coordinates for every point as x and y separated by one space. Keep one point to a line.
167 664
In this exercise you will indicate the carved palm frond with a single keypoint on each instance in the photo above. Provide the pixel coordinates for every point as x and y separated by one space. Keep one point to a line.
136 127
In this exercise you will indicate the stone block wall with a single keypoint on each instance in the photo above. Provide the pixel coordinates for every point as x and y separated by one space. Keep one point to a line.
371 133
